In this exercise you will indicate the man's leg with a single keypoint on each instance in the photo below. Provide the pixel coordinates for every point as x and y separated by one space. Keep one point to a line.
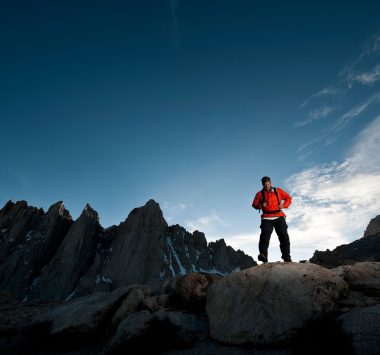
281 229
266 231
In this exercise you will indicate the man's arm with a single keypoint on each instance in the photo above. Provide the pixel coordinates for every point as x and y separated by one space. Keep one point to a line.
286 198
256 203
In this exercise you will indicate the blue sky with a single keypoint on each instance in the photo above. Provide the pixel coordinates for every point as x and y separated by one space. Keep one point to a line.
191 103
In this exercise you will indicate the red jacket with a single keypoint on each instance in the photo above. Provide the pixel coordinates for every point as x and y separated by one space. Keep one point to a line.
272 205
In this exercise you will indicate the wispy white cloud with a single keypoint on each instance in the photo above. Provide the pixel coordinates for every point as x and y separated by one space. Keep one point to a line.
327 91
345 119
316 115
172 210
333 203
368 77
357 69
341 94
209 224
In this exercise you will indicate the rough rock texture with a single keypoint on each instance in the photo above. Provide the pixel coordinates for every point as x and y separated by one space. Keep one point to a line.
364 281
373 227
363 326
80 321
164 329
132 334
17 220
186 252
128 320
27 260
47 256
363 276
192 288
363 249
268 303
72 259
135 255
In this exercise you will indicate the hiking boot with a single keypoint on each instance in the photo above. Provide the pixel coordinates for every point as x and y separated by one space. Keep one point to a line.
287 260
262 258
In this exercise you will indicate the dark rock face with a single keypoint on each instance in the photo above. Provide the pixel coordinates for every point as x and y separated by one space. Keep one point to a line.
49 257
72 259
17 221
34 251
373 227
364 249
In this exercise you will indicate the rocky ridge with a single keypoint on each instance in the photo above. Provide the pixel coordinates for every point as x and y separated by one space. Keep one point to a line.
50 257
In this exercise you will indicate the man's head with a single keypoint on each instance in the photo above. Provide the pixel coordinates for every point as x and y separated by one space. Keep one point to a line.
267 184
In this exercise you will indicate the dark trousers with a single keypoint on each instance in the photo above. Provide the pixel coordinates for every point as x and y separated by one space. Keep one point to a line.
281 228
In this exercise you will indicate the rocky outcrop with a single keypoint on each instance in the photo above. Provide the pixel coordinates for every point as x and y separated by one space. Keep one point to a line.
373 227
363 249
267 304
50 257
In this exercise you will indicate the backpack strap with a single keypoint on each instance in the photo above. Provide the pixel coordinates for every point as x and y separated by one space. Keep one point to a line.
275 192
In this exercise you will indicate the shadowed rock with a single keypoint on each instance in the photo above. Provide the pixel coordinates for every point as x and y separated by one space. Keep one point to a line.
364 249
373 227
17 221
33 252
362 326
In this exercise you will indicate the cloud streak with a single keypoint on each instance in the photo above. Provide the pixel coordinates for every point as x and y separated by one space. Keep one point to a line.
316 115
342 93
345 119
172 210
208 224
326 92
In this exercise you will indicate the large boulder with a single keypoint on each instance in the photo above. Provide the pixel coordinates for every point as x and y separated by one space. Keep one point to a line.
364 281
362 276
267 304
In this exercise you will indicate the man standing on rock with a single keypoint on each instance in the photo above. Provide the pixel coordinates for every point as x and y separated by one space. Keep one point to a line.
271 201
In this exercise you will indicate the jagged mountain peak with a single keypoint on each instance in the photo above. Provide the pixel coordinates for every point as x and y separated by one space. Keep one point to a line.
89 212
152 203
59 208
